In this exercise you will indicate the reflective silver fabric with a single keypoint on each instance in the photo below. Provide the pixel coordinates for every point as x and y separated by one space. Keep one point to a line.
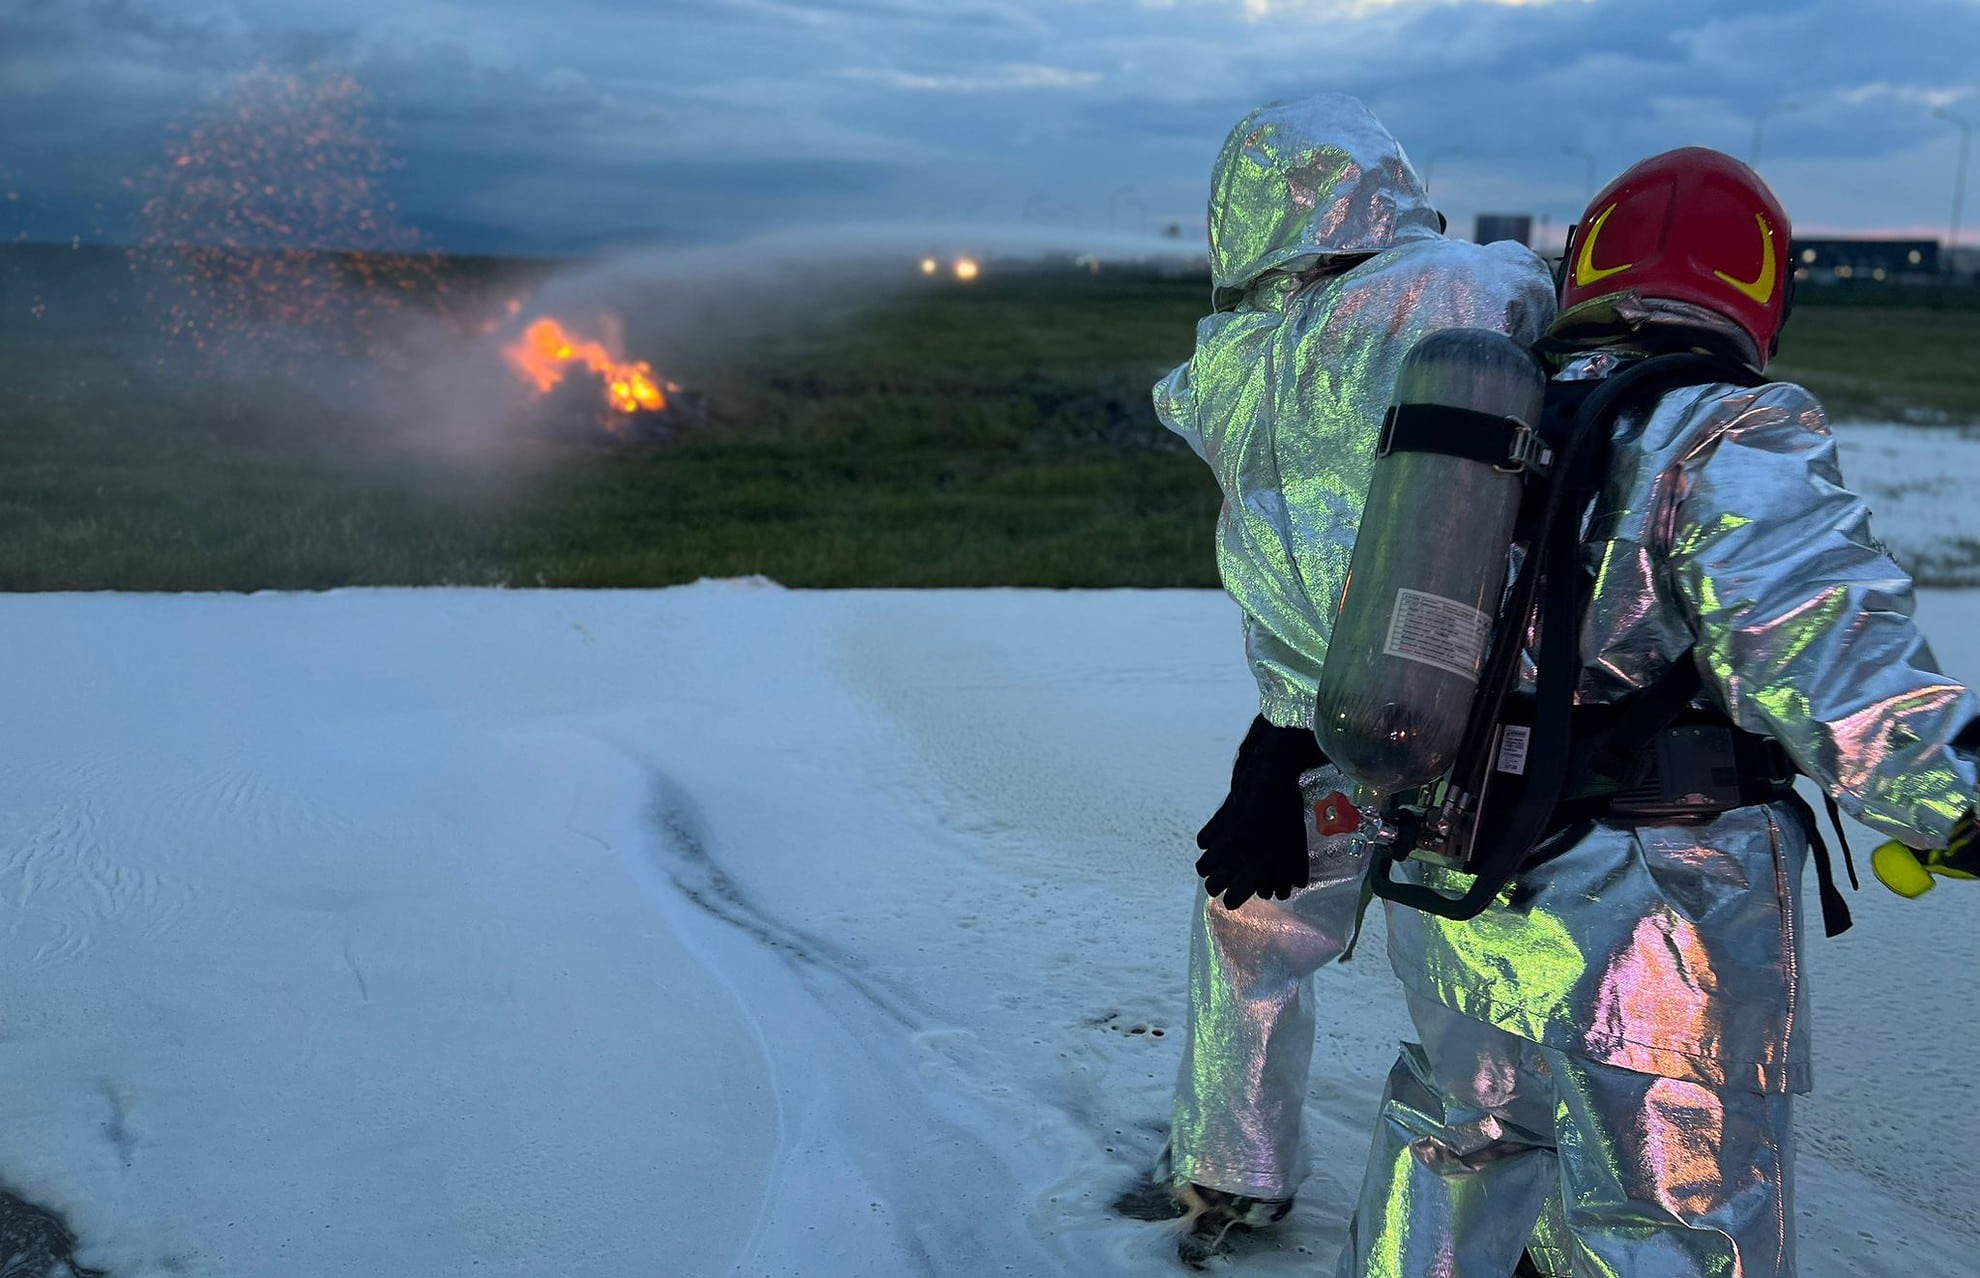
1300 181
1676 950
1482 1132
1284 395
1237 1108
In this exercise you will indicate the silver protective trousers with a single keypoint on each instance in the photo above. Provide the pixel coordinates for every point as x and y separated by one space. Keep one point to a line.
1236 1124
1482 1134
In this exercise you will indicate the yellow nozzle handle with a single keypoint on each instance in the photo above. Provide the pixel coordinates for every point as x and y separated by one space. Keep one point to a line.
1898 868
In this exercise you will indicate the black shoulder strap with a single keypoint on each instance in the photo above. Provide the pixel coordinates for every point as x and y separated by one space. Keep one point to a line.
1645 714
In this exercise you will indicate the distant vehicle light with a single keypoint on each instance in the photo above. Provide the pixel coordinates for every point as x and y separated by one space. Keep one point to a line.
967 269
929 266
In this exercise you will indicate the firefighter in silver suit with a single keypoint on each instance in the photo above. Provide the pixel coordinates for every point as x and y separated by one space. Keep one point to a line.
1327 263
1619 1037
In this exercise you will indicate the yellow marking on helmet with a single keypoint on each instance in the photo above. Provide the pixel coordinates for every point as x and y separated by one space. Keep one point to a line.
1761 289
1585 270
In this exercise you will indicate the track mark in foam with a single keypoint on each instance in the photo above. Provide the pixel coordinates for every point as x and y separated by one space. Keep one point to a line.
702 881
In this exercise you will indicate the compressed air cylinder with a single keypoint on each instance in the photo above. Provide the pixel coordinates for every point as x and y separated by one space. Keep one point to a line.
1428 570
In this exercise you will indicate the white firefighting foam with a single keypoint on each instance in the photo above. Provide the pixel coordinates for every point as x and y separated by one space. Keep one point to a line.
716 930
1920 482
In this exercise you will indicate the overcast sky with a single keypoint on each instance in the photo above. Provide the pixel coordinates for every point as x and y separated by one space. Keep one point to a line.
557 123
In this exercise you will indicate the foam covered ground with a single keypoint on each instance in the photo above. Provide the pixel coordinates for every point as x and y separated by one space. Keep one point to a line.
717 930
1920 481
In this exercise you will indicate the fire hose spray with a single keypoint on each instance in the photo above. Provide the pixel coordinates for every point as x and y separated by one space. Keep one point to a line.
1429 566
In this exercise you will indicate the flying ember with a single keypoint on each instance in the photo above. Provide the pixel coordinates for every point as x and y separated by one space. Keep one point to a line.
546 351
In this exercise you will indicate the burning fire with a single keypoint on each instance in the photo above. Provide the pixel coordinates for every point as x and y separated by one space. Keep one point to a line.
546 350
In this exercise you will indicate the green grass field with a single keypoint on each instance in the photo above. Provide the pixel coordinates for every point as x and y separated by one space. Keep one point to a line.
1886 363
992 435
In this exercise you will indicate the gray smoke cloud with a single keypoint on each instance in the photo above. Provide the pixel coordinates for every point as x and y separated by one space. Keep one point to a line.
426 390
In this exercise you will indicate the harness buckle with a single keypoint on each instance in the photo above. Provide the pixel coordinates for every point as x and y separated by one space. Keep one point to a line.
1528 451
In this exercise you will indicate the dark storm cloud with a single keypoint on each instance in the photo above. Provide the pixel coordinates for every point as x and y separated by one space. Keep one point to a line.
560 123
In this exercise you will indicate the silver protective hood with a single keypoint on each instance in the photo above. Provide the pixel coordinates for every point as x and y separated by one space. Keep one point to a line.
1299 182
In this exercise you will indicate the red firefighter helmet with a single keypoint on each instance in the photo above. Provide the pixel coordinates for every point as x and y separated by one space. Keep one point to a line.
1690 225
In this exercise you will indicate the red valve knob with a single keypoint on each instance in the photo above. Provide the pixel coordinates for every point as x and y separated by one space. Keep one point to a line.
1334 815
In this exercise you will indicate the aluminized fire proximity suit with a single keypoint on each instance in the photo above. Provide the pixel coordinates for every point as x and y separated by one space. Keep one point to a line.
1328 265
1620 1035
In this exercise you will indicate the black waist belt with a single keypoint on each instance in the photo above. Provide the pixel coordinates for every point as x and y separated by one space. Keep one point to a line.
1687 771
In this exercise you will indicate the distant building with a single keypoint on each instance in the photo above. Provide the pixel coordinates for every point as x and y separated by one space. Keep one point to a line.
1833 261
1517 227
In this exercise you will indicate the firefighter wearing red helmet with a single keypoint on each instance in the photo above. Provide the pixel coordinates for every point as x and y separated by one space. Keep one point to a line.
1611 1049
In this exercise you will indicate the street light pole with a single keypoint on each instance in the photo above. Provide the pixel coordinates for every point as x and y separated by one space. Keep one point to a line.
1760 122
1959 182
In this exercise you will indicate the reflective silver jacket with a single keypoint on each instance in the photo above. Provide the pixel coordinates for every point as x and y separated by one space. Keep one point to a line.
1674 950
1285 394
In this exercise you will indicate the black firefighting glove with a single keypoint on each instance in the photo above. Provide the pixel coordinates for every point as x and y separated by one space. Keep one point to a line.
1909 871
1256 843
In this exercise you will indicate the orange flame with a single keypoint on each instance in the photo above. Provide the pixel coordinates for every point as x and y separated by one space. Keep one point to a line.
546 350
